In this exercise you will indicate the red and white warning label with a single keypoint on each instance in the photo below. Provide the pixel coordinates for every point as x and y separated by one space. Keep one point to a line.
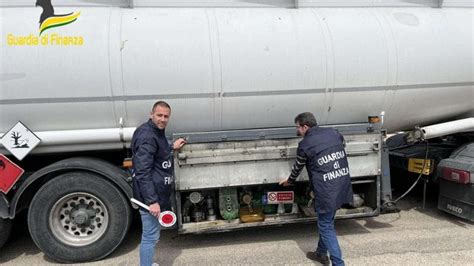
9 173
274 197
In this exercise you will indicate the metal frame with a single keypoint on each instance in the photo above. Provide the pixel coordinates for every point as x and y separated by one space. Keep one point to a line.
269 133
242 153
223 226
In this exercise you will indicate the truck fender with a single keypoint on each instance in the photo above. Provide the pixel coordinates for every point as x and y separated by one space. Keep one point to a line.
94 165
4 207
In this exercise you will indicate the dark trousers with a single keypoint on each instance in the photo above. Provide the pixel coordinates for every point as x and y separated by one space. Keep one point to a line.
328 239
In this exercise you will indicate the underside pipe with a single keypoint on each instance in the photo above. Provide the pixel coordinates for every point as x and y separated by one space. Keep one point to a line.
439 130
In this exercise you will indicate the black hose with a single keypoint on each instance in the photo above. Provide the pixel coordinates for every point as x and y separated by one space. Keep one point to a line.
393 203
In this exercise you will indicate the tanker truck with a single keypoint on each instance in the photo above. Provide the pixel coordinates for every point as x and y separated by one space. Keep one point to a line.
77 78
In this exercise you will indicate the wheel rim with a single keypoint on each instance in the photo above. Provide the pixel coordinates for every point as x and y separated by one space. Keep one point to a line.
78 219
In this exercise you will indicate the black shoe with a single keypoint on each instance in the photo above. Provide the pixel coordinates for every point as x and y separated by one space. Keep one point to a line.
323 259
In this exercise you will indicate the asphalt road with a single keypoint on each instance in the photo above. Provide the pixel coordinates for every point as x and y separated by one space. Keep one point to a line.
414 236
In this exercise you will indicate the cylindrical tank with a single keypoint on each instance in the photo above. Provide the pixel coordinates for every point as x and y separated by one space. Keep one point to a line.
236 68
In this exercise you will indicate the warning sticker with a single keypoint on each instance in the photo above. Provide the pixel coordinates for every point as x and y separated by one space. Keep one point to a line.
9 174
275 197
20 141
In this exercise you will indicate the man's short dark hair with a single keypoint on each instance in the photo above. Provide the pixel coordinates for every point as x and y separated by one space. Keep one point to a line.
162 104
306 119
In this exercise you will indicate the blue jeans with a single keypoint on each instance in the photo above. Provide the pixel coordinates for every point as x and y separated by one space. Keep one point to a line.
150 236
327 238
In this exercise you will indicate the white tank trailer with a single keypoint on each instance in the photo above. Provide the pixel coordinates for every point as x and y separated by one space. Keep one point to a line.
238 70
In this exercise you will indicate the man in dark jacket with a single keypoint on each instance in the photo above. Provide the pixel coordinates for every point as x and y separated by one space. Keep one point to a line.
153 175
322 152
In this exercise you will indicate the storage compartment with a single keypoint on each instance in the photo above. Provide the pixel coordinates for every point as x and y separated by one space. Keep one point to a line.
248 206
223 183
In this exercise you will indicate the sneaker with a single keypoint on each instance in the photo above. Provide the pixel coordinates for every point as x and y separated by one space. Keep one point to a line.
323 259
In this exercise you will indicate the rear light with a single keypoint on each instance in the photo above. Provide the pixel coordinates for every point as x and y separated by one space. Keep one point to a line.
456 175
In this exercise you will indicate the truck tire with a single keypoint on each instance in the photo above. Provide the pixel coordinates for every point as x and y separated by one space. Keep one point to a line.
78 217
5 230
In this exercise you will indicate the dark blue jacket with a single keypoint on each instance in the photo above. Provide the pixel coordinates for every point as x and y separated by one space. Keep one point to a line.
152 165
322 152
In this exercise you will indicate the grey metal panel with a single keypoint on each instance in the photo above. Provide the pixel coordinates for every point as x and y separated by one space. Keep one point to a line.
238 163
385 178
232 174
268 133
237 135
